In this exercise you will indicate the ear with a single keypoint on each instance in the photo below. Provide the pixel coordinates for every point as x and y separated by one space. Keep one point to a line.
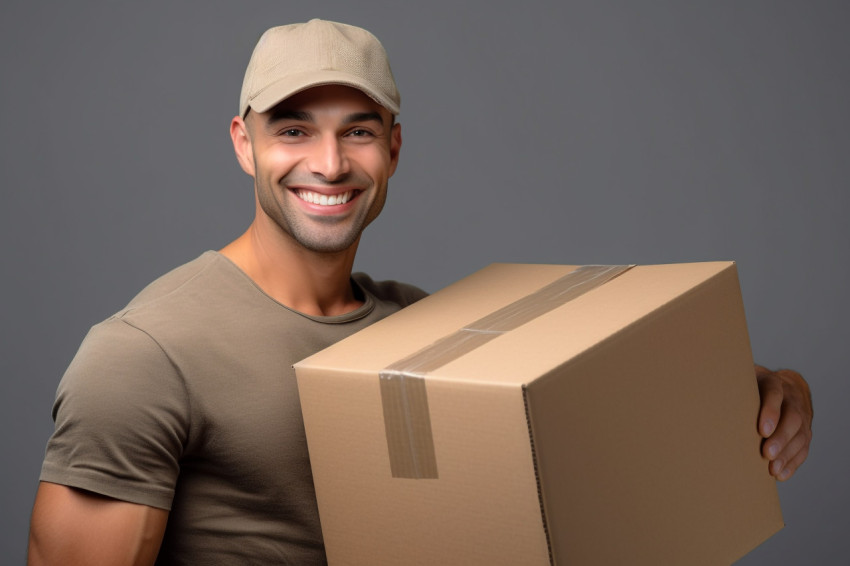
395 147
242 145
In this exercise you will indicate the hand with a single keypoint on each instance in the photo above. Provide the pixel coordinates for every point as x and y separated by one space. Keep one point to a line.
785 420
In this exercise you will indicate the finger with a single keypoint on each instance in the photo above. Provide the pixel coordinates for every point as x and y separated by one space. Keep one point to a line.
789 454
770 390
789 427
792 466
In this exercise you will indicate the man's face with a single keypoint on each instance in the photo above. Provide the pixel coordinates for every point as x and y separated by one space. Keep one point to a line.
321 161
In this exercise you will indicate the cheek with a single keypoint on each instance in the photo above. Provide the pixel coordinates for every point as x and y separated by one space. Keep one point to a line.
377 164
275 162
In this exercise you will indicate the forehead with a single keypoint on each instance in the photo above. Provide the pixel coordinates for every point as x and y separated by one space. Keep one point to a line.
330 100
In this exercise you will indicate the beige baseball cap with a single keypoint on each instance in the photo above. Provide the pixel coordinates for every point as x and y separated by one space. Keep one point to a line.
292 58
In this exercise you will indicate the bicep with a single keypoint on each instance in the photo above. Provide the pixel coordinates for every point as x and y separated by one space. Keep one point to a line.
71 526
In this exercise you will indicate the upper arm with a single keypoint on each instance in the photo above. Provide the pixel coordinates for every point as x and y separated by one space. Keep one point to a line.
71 526
111 465
122 419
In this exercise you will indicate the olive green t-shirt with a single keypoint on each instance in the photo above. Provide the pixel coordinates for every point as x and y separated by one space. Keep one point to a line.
186 400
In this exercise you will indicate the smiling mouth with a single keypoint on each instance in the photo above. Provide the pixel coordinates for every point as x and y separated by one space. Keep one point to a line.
325 200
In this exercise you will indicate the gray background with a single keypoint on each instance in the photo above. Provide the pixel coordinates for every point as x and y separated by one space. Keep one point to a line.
575 132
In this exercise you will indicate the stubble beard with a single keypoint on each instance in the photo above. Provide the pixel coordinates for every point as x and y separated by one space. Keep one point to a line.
315 233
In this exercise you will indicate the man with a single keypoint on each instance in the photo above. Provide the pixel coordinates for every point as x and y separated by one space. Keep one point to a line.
178 431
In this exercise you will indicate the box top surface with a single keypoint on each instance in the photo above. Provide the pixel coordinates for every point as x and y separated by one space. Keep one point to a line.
551 338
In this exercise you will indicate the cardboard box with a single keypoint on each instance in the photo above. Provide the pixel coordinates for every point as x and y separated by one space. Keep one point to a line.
544 414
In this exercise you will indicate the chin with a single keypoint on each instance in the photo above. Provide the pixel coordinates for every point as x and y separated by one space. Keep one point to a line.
328 245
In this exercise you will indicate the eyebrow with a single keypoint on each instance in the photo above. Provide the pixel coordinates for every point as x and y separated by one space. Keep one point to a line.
285 114
363 117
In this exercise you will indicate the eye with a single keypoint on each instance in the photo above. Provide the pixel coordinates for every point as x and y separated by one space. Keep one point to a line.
360 133
291 132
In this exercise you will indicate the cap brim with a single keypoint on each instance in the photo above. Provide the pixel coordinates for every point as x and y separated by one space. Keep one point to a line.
289 86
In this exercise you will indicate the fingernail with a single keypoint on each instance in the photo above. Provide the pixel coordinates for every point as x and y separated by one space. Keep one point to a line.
772 451
767 428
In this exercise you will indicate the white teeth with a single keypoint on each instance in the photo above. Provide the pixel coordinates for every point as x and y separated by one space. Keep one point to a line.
324 200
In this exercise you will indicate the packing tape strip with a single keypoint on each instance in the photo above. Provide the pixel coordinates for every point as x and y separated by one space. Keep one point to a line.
403 395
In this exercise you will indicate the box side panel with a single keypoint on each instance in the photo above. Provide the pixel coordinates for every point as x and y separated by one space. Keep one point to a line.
483 508
647 443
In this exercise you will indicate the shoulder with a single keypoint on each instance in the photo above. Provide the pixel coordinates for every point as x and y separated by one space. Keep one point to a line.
124 365
141 342
207 264
403 294
193 300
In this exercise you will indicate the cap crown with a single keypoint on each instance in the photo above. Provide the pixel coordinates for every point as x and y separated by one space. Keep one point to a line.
292 58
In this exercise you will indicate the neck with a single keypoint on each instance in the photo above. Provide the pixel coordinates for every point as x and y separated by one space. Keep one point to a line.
317 284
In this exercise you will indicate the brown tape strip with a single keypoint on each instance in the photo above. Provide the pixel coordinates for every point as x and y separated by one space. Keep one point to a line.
403 394
408 426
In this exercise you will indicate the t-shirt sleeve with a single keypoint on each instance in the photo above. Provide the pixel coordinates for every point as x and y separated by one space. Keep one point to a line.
122 418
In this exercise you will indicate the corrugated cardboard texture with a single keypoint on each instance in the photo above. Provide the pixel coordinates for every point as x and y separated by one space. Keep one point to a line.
642 403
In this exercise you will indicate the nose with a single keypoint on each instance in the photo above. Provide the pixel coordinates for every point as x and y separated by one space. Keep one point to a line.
329 160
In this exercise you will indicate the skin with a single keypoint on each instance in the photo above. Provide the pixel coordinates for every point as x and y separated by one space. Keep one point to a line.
73 527
330 140
785 420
